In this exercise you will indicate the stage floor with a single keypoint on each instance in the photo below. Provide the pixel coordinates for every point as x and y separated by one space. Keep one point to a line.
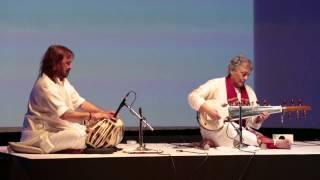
181 149
168 161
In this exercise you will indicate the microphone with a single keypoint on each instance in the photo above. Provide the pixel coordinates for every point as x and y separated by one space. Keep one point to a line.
123 102
140 112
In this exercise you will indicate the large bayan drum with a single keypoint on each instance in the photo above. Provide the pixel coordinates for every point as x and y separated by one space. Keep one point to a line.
105 133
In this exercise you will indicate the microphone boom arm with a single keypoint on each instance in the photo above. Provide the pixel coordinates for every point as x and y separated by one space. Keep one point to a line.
141 118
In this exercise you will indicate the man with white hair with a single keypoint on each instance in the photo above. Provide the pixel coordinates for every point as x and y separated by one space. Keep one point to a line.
231 90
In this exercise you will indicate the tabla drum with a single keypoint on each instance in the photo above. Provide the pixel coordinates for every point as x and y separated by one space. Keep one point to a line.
105 133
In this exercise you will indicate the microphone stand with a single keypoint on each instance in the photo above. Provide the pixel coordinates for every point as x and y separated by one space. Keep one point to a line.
142 122
241 145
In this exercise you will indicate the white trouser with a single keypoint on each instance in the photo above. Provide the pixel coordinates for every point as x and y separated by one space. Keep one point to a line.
228 135
50 142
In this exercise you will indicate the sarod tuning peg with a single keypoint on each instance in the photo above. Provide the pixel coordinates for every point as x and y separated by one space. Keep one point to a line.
284 103
287 104
292 102
265 102
300 102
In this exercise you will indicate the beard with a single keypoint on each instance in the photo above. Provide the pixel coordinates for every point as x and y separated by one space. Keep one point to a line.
64 74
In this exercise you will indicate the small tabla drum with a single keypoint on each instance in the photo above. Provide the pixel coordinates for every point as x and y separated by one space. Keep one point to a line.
105 133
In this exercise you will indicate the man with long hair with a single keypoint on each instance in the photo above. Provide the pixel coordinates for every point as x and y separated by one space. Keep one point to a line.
56 112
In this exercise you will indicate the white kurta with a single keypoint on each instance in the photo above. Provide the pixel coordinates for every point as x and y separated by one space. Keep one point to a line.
42 126
215 89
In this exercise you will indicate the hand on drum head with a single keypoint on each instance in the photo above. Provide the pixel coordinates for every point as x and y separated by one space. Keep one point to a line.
111 115
114 119
104 115
97 116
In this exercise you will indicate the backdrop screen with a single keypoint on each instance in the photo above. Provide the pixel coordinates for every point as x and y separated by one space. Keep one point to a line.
159 49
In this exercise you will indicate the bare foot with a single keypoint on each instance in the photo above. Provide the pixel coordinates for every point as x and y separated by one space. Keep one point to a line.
206 144
283 144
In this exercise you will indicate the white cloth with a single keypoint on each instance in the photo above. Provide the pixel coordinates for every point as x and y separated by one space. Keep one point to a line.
42 126
215 89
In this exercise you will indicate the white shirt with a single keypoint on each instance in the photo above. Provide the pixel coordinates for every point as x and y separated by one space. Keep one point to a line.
47 102
215 89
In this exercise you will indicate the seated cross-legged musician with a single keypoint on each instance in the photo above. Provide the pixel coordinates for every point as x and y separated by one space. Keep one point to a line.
54 121
231 90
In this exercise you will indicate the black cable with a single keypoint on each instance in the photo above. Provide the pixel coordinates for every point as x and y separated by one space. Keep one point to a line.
133 101
254 151
233 138
201 164
172 161
195 152
173 165
135 96
250 160
234 128
307 144
245 169
237 130
312 143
